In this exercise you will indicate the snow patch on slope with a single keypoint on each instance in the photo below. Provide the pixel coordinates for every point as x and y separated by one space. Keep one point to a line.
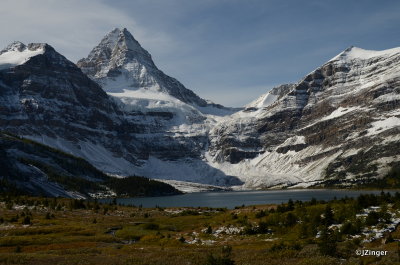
190 170
273 168
383 125
145 100
339 112
190 187
263 101
294 141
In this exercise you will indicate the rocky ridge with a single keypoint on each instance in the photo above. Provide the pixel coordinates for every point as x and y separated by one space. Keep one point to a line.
339 124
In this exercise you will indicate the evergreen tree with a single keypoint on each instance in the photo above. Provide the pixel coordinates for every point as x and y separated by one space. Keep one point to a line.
26 221
290 219
328 216
327 243
290 206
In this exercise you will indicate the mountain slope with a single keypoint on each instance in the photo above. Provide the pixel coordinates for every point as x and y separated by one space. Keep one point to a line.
47 98
340 123
178 134
35 169
27 167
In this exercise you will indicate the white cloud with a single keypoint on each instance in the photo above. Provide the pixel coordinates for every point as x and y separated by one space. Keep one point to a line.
73 27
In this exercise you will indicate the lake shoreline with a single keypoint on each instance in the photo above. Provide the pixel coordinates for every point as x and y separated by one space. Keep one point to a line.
232 199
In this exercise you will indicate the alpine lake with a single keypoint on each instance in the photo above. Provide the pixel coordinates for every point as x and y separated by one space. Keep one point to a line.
231 199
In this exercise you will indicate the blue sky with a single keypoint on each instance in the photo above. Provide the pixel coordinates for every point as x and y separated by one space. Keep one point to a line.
227 51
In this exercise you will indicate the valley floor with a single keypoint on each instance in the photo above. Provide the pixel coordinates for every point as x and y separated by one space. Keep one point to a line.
65 231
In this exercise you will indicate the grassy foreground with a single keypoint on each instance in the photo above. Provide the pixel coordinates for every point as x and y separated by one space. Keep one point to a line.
64 231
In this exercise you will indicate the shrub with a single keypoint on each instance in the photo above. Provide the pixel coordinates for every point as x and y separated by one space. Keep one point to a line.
14 219
151 226
260 214
18 249
348 229
282 246
223 259
26 221
278 246
372 218
189 212
389 239
150 238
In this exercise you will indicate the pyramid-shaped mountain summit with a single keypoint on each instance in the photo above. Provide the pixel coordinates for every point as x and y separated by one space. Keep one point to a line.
120 64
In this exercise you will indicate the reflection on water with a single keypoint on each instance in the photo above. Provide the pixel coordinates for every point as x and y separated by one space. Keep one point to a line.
238 198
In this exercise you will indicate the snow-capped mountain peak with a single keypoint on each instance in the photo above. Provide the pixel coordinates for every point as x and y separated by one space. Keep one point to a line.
126 41
356 53
115 50
126 70
18 53
119 64
15 46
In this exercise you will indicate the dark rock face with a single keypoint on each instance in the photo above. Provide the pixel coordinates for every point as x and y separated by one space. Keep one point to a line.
49 96
46 78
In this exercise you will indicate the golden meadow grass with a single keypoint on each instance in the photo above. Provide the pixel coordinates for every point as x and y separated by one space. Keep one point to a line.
62 231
